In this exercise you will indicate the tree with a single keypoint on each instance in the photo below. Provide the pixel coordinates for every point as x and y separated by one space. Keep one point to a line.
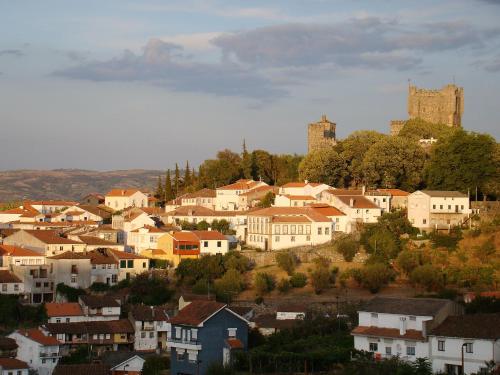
321 276
169 194
417 129
353 150
428 277
264 283
394 162
298 280
229 285
160 194
155 365
324 165
187 176
408 260
287 262
267 200
202 225
284 285
247 165
177 181
151 290
348 246
374 276
464 161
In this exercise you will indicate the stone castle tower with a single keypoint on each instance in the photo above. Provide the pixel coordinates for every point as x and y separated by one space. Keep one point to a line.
444 106
321 134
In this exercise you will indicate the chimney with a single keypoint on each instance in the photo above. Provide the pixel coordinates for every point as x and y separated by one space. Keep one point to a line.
351 202
306 181
363 190
402 326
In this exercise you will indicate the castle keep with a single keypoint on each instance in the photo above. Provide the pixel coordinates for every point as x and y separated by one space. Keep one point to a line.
444 106
321 134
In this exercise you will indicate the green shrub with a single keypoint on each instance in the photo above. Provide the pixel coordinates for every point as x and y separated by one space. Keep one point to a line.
99 287
264 283
287 261
298 280
348 246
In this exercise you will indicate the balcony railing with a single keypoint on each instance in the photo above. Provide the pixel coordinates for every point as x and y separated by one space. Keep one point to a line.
45 355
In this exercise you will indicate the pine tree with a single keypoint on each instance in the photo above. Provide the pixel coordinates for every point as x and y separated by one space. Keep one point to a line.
177 179
187 176
159 191
246 162
169 195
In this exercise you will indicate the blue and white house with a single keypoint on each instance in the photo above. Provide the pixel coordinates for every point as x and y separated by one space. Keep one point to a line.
204 333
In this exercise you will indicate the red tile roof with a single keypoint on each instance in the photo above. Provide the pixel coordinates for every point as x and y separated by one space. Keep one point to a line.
38 336
63 309
124 255
294 185
197 312
395 192
15 251
121 192
50 237
358 201
326 209
240 185
388 332
12 364
185 236
209 235
6 277
203 193
300 197
96 241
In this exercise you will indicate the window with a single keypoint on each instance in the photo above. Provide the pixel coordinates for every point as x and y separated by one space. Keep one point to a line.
413 318
462 207
301 229
277 239
151 238
373 346
205 244
44 361
38 285
123 264
327 231
410 350
308 238
16 287
143 264
109 266
424 221
67 320
292 238
58 320
108 336
308 229
433 206
388 350
219 243
374 315
468 347
178 332
73 279
181 355
285 229
441 345
440 206
320 230
293 229
277 229
449 207
194 334
143 335
151 335
231 332
130 264
114 278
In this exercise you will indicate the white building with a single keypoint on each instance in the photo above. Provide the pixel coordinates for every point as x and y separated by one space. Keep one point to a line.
44 242
144 238
119 199
65 312
476 335
50 206
287 200
212 242
39 351
277 228
358 209
431 209
203 198
129 220
151 326
99 308
227 197
10 283
12 366
399 326
313 189
18 256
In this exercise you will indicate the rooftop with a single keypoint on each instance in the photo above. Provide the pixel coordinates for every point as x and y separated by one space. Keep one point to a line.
197 312
209 235
406 306
82 369
16 251
12 364
473 326
51 237
121 192
8 277
63 309
149 313
410 334
96 302
36 335
358 201
443 193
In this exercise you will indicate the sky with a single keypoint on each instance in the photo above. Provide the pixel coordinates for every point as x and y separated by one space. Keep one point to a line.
104 85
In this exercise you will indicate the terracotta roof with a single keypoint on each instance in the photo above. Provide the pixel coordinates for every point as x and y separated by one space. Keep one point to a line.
345 192
121 192
97 326
185 236
6 277
200 211
6 343
209 235
101 256
63 309
152 210
291 219
149 313
96 210
51 203
447 194
405 306
240 185
410 334
96 241
261 189
50 237
197 312
71 255
203 193
82 369
15 251
358 201
124 255
12 364
36 335
150 229
300 197
472 326
396 192
234 343
291 211
326 209
294 185
97 302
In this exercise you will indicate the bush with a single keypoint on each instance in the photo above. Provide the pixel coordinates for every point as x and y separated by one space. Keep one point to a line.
99 287
150 290
200 287
155 365
287 261
71 294
374 276
428 277
449 241
320 279
284 285
229 285
264 283
408 260
298 280
202 225
219 369
348 246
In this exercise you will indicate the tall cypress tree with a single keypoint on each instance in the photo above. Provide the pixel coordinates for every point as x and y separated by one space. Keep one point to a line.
169 195
177 179
246 162
159 191
187 176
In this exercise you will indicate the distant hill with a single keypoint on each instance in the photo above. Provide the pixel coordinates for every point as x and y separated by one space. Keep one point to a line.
71 183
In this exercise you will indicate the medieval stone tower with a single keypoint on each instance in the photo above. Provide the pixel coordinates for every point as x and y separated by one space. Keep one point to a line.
444 106
321 134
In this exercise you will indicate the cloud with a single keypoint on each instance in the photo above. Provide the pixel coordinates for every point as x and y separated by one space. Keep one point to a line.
162 63
495 2
491 66
368 42
12 52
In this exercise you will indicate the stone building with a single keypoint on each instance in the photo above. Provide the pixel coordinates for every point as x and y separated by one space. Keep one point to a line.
444 106
321 134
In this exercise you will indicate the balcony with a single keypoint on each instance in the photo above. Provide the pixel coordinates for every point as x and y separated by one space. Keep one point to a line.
183 344
49 355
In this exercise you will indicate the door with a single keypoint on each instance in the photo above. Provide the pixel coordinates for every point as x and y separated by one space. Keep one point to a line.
226 356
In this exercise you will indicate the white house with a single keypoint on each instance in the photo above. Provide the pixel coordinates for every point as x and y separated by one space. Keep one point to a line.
18 256
212 242
119 199
339 219
399 326
129 220
303 188
39 351
99 308
203 198
144 238
45 242
276 228
10 283
12 366
227 197
151 326
287 200
358 209
477 336
123 362
431 209
50 206
65 312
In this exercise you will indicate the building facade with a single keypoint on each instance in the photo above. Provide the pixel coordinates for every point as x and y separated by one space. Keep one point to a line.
321 134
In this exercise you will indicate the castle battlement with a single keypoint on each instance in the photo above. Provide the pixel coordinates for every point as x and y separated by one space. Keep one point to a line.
321 134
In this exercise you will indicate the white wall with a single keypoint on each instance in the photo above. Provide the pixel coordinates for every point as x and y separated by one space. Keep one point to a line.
210 247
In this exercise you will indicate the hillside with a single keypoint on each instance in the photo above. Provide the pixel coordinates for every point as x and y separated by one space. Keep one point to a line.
70 183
